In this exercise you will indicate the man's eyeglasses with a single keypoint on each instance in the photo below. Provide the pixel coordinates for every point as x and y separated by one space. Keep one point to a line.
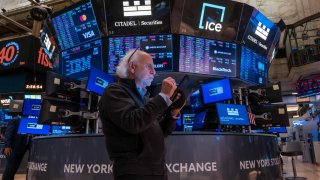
133 54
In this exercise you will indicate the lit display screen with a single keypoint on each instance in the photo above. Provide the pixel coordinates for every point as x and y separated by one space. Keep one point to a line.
4 117
205 56
98 81
31 126
31 107
231 114
77 62
216 91
308 87
158 46
254 68
76 25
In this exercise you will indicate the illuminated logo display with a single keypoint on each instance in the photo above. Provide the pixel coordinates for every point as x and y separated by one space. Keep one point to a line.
101 82
9 54
137 9
232 112
83 18
216 91
88 34
210 23
262 31
5 102
43 59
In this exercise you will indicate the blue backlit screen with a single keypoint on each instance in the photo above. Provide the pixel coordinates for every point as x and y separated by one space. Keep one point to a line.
98 81
4 117
216 91
253 68
60 130
232 114
31 107
206 56
195 100
158 46
31 126
76 25
261 34
277 129
77 62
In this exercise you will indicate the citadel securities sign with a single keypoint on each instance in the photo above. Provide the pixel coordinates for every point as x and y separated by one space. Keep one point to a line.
191 156
138 17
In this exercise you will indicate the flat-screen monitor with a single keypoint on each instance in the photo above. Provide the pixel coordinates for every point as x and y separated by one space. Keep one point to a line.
158 46
47 39
196 101
58 86
277 129
216 19
216 91
138 17
75 25
60 130
77 61
260 34
31 126
232 114
31 107
4 117
206 56
253 67
98 81
265 94
308 87
199 120
53 111
16 106
270 115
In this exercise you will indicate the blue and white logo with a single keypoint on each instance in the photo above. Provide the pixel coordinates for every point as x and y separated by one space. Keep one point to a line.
262 31
137 9
233 112
210 24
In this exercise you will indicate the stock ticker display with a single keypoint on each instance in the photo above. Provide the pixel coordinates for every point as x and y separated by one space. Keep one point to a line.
309 87
158 46
254 68
76 25
77 62
205 56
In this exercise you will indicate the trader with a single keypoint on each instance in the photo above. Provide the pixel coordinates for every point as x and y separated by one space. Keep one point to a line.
134 126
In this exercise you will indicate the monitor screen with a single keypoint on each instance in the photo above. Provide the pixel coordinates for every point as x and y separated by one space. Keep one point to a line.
270 115
278 129
205 56
232 114
211 19
199 120
16 106
216 91
253 68
4 117
31 107
158 46
31 126
75 25
77 62
47 40
260 34
308 87
195 101
98 81
138 17
60 130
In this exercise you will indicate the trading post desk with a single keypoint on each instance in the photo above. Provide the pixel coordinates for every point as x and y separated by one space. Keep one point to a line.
190 156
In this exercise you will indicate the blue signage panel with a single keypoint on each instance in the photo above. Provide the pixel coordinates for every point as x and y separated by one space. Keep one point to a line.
98 81
232 114
216 91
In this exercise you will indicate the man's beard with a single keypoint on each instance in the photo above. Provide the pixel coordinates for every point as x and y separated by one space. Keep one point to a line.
146 81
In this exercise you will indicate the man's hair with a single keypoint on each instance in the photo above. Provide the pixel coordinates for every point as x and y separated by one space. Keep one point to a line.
122 68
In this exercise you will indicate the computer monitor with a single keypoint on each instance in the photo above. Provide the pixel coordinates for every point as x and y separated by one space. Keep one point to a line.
98 81
60 130
15 106
232 114
253 68
77 61
270 115
196 101
199 120
265 94
277 129
216 91
31 126
31 107
308 87
158 46
75 25
207 56
4 116
59 86
53 111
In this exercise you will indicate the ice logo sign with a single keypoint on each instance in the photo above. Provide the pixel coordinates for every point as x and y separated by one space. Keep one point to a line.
137 9
262 31
211 17
232 112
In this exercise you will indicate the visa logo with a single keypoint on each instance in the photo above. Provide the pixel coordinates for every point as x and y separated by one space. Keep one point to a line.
89 34
101 82
35 107
216 91
232 112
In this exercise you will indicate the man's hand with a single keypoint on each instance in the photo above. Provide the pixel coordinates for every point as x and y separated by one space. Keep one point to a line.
168 86
181 102
7 151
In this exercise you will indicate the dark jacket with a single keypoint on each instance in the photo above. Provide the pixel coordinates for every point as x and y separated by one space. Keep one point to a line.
134 129
12 138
